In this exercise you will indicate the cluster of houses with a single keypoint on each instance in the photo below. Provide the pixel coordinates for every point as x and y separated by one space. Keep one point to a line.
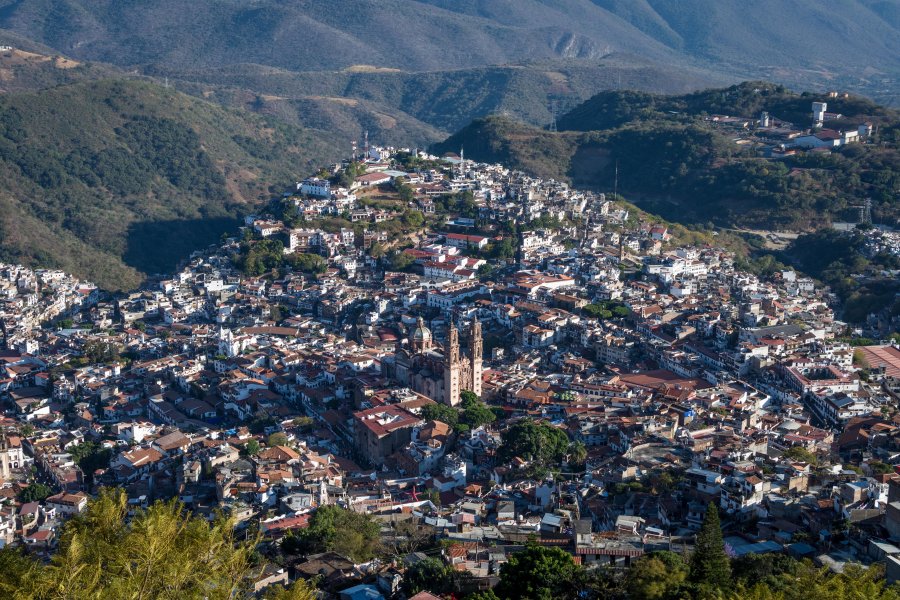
777 138
678 379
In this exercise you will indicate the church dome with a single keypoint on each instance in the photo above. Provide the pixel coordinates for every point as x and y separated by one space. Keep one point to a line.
421 333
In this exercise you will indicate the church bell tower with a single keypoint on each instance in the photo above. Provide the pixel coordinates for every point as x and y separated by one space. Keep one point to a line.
475 350
451 368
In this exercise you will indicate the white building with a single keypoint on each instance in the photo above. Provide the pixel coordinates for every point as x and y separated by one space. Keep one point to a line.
313 186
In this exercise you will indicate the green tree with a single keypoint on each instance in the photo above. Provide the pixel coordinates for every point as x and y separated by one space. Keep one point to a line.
505 248
475 412
620 312
485 595
656 576
800 453
485 270
539 573
251 447
578 452
259 423
429 575
404 190
306 262
709 564
804 581
162 552
305 423
769 569
90 457
399 261
412 220
277 439
36 492
530 440
299 590
440 412
880 468
336 529
258 257
596 311
17 573
99 351
275 313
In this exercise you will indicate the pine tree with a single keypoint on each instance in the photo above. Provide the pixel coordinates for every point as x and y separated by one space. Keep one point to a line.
709 564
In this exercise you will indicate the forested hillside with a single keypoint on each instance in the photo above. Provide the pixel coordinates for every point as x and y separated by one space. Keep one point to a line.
115 179
610 109
673 161
23 70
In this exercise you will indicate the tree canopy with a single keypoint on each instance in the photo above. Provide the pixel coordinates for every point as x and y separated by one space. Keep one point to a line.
539 573
35 492
475 412
440 412
537 441
656 576
430 575
332 528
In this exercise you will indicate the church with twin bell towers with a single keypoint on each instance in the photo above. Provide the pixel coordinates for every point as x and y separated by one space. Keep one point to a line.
440 373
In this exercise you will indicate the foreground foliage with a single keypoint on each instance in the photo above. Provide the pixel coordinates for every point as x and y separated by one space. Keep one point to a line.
162 552
541 572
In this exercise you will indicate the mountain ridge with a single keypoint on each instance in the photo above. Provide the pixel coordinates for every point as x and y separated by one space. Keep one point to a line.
851 44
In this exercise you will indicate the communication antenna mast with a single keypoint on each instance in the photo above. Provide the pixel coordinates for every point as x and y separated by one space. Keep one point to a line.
353 151
366 144
553 109
616 181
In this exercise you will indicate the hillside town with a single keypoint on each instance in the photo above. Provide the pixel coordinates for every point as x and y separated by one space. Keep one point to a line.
475 359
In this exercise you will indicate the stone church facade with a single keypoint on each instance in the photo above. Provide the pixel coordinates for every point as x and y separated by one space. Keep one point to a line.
439 373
